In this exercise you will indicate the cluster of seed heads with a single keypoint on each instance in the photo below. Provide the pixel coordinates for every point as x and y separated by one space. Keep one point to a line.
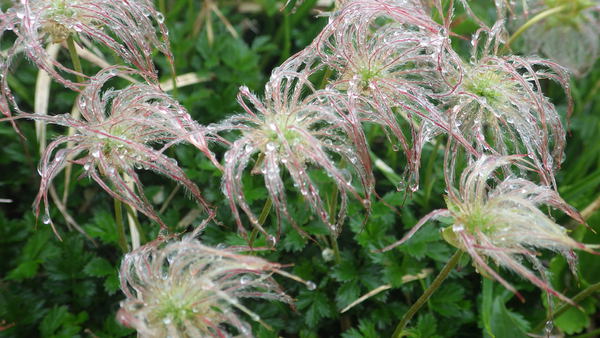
384 63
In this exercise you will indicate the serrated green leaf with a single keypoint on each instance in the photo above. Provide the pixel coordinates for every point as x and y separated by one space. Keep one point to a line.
59 322
98 267
366 329
445 300
347 293
504 322
316 306
572 321
24 270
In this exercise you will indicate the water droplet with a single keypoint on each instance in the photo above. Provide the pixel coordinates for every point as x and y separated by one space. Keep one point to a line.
160 17
310 285
167 320
458 227
271 240
46 219
221 246
548 327
96 153
145 11
327 255
245 280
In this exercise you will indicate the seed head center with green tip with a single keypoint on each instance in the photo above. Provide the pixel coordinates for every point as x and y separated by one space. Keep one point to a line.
471 219
487 84
57 12
280 123
177 307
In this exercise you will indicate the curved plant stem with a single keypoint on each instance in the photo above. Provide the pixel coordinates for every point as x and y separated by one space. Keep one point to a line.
74 112
332 209
437 282
535 19
120 227
75 58
261 218
591 334
591 208
564 307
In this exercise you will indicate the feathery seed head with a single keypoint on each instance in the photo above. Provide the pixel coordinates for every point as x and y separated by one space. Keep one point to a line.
385 57
183 288
131 29
500 108
502 221
121 130
295 128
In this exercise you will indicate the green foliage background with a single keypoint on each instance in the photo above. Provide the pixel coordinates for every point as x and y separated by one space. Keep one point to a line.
69 288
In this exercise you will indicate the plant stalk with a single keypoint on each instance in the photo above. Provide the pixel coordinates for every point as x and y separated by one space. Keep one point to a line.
122 240
437 282
75 58
332 220
532 21
261 218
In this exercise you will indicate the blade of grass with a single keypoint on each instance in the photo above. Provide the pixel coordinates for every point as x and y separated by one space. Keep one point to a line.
42 96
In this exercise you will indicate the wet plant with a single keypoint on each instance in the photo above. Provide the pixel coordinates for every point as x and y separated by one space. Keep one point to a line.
500 107
385 81
182 288
132 30
121 131
295 127
502 222
385 57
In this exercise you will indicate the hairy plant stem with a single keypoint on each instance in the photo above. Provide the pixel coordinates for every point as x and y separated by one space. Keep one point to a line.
437 282
332 220
134 224
262 218
532 21
564 307
122 240
135 227
429 178
75 58
74 112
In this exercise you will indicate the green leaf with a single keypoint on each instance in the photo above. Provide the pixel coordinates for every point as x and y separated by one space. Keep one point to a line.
24 270
347 270
59 322
316 306
572 321
502 321
487 301
98 267
102 227
347 293
446 300
366 329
